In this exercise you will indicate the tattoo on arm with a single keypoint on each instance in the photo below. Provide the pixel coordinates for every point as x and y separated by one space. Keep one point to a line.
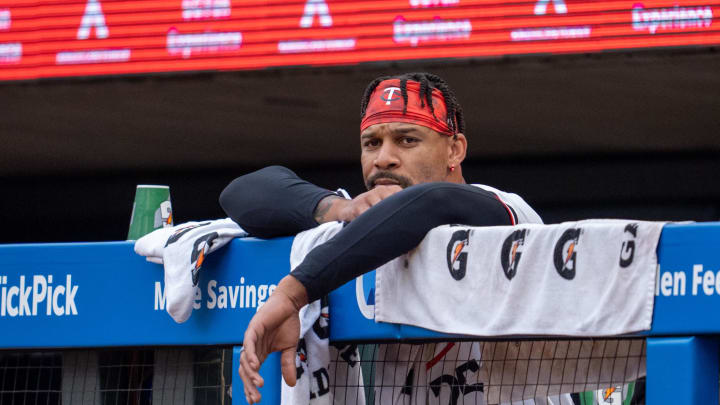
323 208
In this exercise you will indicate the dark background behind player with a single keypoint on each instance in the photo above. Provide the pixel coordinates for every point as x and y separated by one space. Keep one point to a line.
633 135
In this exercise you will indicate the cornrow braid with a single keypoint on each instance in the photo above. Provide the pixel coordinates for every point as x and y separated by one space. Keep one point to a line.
425 91
368 92
403 92
428 82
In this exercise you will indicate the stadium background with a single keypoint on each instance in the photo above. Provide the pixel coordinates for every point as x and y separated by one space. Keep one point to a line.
615 124
623 134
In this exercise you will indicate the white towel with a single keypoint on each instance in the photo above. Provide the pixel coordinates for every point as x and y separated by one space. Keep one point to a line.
587 278
182 249
474 275
314 369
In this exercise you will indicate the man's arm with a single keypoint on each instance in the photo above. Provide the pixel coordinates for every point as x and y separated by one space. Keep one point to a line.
390 228
274 201
393 227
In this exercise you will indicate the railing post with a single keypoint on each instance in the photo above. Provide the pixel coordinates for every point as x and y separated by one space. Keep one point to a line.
682 370
270 372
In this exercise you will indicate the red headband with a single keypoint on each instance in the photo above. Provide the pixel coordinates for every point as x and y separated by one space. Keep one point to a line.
386 105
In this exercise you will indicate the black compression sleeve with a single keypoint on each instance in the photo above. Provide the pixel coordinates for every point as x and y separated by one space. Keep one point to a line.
393 227
272 202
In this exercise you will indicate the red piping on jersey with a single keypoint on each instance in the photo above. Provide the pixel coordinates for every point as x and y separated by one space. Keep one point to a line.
439 356
512 218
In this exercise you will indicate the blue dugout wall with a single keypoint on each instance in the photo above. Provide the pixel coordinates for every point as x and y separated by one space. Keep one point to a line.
104 295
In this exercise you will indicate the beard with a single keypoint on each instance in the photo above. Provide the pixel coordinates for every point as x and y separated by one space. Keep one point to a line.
401 181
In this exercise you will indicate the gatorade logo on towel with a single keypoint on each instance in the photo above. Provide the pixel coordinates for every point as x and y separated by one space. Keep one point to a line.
565 255
201 248
627 251
457 256
512 252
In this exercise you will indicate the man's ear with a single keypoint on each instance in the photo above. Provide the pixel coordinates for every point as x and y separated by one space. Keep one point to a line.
458 149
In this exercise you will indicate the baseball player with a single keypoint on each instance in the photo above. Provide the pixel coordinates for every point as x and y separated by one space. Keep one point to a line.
412 146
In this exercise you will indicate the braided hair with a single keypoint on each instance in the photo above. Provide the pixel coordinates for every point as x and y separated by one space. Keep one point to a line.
428 81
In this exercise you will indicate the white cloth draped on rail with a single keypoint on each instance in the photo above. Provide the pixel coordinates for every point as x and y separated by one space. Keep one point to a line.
586 278
182 250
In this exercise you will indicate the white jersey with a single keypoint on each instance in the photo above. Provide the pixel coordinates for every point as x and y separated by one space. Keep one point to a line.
522 212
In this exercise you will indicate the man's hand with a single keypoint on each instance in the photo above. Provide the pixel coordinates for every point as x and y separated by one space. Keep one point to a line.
275 327
334 208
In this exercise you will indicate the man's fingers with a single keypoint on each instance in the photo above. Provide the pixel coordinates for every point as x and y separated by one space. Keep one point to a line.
250 363
250 374
287 366
251 392
373 199
387 191
259 381
254 398
378 194
249 345
366 200
360 207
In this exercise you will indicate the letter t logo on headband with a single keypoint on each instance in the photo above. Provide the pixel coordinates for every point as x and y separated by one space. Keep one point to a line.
389 94
386 105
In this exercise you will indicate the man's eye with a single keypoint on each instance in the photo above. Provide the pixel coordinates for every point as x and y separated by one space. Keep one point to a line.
371 143
407 140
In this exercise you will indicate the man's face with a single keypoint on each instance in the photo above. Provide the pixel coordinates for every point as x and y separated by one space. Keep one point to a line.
403 154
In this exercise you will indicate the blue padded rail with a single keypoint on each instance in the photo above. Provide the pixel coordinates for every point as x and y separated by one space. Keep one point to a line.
103 294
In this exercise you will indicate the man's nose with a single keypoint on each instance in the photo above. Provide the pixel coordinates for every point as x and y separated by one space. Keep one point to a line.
386 157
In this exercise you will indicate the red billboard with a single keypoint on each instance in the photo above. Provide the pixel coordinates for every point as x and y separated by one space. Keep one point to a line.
55 38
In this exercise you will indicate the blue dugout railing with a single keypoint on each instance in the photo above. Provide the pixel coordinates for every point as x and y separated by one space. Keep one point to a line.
104 295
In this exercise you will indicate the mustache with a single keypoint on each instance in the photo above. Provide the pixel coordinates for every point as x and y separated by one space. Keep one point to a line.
402 181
